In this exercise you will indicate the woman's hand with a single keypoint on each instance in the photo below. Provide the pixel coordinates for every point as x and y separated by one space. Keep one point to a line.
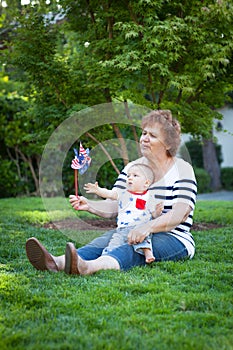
79 203
139 233
164 223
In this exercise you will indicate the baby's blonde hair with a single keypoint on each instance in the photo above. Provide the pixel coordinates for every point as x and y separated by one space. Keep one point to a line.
146 170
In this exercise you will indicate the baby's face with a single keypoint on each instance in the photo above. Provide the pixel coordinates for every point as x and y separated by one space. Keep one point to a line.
136 180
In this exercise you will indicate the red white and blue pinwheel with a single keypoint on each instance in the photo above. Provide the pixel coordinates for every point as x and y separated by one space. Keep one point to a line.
81 163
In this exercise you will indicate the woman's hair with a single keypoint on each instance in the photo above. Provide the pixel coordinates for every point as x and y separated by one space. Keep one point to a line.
170 127
146 170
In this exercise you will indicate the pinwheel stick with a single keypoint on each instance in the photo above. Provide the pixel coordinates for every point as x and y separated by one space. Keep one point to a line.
76 181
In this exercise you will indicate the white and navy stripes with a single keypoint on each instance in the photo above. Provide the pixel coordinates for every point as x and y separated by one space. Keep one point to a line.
178 185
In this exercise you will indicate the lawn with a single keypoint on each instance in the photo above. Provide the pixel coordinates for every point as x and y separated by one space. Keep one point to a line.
166 306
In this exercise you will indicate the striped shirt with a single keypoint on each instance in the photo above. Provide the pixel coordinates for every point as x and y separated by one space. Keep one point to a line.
177 186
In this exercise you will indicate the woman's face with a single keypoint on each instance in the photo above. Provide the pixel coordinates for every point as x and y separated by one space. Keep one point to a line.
152 141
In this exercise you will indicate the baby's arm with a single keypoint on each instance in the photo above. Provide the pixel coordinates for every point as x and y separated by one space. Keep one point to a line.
101 192
158 210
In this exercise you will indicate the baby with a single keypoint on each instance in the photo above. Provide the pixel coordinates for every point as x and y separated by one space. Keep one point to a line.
135 206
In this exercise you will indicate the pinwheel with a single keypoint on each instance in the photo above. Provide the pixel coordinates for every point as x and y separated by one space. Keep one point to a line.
80 163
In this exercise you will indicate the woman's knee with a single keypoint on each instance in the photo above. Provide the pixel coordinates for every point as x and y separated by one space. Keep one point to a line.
167 247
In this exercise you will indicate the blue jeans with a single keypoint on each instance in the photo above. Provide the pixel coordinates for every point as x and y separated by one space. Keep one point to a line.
165 247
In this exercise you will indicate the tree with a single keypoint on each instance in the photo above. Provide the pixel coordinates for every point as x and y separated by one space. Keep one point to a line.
175 54
162 54
178 54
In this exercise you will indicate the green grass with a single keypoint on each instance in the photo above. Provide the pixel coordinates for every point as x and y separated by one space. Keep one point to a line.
167 306
215 212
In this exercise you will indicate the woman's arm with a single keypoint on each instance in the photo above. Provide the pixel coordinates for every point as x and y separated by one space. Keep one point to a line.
163 223
104 208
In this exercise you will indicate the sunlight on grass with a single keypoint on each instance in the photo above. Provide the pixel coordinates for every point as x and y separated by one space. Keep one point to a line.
21 208
40 217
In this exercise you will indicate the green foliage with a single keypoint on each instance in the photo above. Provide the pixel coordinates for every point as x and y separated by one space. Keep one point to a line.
227 178
110 310
106 175
9 182
195 151
160 54
196 118
203 180
162 46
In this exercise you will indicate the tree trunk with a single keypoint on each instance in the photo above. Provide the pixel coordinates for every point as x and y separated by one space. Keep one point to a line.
124 151
117 131
136 139
211 164
29 162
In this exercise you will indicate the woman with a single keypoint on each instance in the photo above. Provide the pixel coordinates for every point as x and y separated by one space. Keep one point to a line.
175 186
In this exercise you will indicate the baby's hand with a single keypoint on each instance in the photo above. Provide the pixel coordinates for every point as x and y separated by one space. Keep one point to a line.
159 209
91 188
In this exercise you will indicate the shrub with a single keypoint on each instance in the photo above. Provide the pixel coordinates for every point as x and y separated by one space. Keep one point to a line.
195 151
227 178
9 180
11 185
203 180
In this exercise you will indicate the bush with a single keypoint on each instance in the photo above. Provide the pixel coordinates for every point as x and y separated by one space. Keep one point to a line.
203 180
9 179
195 151
227 178
10 183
